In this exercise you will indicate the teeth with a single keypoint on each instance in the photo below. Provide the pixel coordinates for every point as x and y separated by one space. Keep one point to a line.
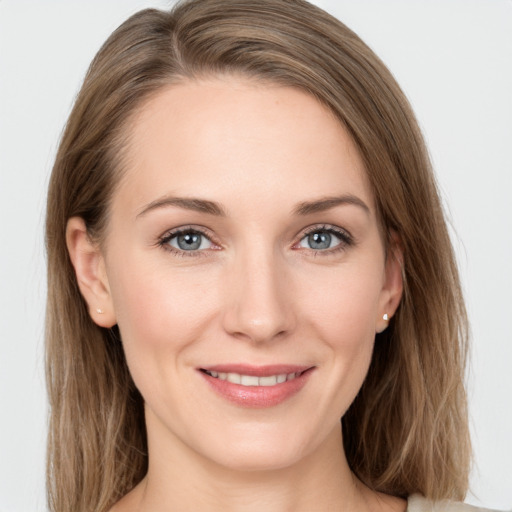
268 381
249 380
235 378
253 380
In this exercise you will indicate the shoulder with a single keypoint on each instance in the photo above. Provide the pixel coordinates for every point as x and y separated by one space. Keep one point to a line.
417 503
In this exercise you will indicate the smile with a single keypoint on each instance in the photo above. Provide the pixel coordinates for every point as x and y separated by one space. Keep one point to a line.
254 380
256 387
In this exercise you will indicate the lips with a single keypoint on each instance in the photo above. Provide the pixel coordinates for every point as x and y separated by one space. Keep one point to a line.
249 386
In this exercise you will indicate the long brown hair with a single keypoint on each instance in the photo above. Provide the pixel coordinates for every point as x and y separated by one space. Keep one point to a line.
406 431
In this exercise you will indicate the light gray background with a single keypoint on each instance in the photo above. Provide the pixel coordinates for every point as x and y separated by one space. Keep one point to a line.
453 58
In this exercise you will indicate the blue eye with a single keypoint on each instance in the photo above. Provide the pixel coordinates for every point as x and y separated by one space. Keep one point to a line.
189 241
323 239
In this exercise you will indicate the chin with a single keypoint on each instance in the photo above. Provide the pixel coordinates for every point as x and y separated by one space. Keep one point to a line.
265 450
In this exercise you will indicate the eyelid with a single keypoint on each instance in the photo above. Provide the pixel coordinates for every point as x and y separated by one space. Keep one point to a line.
325 227
346 238
163 240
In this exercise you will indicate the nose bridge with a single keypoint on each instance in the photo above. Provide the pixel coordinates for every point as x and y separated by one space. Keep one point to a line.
258 305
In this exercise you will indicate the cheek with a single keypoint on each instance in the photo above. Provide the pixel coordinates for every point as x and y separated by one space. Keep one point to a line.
159 313
344 301
344 320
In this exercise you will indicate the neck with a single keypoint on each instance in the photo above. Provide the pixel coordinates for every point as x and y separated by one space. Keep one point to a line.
180 479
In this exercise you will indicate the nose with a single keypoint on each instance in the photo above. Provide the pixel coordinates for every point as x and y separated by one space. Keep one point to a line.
259 298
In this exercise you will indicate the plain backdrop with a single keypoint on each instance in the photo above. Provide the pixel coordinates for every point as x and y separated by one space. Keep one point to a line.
453 59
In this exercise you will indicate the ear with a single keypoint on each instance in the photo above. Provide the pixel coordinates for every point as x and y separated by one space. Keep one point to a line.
393 285
91 275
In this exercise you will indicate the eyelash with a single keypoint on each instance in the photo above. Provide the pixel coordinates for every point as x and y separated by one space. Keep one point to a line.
346 240
163 241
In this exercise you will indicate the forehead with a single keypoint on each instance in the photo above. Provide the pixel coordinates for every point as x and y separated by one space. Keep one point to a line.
229 138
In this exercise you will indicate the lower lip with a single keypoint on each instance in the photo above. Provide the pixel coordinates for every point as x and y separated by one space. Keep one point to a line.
257 396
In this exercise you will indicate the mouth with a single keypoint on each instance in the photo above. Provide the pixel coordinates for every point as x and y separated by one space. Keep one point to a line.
253 380
256 387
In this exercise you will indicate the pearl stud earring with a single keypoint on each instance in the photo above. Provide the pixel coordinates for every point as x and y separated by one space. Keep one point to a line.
385 317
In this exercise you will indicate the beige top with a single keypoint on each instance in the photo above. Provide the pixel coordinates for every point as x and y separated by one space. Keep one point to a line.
417 503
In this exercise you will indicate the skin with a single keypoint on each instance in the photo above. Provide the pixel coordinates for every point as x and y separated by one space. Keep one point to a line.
255 292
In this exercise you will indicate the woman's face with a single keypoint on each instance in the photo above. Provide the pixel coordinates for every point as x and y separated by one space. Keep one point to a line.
246 271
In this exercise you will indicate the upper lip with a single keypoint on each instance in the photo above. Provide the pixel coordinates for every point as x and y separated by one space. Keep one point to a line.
258 371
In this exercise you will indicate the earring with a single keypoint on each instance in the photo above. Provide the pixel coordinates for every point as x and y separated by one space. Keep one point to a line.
99 311
385 317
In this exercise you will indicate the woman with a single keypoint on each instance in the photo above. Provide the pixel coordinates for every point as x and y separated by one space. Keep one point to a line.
246 244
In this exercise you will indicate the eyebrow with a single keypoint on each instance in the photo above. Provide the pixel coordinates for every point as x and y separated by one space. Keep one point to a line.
213 208
194 204
326 203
